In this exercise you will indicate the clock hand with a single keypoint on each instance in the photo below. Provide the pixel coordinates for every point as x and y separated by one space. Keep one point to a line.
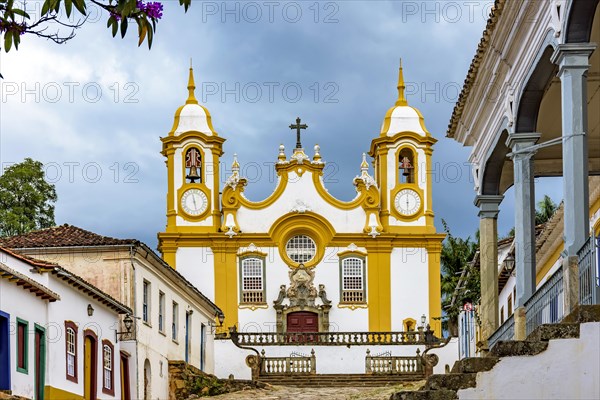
194 200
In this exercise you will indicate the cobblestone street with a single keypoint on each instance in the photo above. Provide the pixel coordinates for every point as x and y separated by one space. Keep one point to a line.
325 393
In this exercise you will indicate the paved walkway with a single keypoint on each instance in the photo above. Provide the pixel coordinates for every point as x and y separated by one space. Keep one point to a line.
315 393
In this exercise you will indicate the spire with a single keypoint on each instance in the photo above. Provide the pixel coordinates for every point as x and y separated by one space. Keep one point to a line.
401 87
191 87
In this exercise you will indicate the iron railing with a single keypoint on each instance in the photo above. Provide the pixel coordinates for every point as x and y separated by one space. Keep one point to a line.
546 306
588 271
506 331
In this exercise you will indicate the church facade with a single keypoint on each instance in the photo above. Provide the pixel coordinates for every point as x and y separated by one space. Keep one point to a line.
302 260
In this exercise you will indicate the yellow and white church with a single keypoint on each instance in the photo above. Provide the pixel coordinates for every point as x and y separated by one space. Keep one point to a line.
302 260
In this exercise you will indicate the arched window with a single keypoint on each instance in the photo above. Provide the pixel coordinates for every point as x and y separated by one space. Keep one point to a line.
193 165
107 368
252 277
352 271
406 164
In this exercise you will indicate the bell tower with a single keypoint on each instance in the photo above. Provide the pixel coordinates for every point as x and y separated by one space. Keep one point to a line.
192 150
402 159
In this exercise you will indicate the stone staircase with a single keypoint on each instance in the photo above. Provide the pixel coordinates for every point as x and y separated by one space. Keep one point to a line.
339 380
464 372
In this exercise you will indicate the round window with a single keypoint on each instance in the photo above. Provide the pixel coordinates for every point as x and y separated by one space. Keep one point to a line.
301 249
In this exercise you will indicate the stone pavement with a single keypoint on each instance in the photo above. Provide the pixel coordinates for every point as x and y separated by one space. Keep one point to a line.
320 393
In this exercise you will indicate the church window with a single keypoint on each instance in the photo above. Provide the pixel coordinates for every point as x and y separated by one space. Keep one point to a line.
301 249
353 280
252 278
193 165
406 165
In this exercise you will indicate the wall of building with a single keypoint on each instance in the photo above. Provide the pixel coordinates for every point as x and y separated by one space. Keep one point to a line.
158 347
409 285
104 322
568 369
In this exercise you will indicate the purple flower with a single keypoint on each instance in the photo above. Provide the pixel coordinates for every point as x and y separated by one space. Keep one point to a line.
154 9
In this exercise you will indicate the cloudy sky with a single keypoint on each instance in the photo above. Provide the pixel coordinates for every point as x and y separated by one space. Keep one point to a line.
93 110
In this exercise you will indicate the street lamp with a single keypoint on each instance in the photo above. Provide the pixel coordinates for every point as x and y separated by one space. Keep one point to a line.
128 322
90 310
509 261
423 320
221 318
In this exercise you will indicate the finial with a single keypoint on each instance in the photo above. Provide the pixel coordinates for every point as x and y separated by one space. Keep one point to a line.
364 166
235 166
317 156
281 156
401 87
191 87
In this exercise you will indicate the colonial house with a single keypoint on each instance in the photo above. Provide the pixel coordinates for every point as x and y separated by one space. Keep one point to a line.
529 109
59 334
172 319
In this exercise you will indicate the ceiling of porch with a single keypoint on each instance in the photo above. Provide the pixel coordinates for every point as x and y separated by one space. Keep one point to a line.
548 161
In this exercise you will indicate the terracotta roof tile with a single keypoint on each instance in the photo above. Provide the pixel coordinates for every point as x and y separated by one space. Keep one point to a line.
61 236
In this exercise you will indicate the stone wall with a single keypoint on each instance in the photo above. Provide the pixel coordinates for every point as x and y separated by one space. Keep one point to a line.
188 382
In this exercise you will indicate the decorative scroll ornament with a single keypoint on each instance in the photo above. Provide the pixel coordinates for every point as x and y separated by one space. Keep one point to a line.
302 291
557 11
300 207
299 156
364 174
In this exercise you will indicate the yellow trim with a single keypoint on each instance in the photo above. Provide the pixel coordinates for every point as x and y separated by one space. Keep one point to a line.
401 87
350 253
171 213
253 307
226 285
191 88
59 394
435 291
353 306
412 321
311 224
556 254
429 215
379 289
202 187
250 253
597 228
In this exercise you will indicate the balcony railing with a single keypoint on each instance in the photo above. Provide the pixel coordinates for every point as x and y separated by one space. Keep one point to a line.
588 271
295 364
388 364
506 331
331 338
546 306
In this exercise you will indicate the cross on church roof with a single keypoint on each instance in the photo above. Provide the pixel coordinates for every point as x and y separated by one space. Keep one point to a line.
297 127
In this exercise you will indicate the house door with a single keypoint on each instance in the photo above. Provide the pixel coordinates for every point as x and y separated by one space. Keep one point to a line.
4 351
147 380
302 321
125 389
89 367
40 362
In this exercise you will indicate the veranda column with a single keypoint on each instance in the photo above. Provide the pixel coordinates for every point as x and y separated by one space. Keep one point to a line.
522 156
488 256
573 62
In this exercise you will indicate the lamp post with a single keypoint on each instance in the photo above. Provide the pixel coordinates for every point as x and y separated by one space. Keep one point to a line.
90 310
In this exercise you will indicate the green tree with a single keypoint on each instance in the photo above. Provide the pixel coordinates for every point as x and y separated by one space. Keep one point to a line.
26 199
545 210
456 257
17 20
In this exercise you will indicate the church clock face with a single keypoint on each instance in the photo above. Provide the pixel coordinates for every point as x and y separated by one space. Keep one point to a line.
194 202
407 202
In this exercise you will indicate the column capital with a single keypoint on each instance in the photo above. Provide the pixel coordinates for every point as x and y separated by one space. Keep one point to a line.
488 205
519 142
573 55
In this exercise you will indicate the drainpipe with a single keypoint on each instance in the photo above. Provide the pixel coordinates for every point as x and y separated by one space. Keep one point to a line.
134 308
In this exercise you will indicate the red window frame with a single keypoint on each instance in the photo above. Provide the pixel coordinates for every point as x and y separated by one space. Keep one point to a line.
71 325
111 390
